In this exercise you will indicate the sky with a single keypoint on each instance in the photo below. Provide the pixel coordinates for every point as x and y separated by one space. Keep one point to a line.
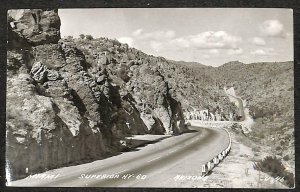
211 36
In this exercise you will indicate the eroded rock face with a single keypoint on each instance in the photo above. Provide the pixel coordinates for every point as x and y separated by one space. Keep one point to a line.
161 113
62 109
33 27
45 129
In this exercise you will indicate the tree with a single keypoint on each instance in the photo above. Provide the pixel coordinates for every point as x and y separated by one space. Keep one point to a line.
89 37
69 37
82 36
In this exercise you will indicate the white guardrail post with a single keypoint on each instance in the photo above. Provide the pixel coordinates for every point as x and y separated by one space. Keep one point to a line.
204 170
216 160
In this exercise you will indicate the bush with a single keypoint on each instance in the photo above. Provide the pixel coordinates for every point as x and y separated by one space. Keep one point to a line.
278 148
255 149
122 73
89 37
82 36
69 37
237 128
286 158
274 167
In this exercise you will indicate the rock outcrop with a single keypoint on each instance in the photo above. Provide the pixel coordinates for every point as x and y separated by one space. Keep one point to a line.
71 101
32 27
65 107
140 75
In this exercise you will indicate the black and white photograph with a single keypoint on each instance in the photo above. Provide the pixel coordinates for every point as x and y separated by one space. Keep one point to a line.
150 97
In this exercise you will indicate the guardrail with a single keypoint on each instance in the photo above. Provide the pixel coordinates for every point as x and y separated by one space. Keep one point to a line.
212 124
207 167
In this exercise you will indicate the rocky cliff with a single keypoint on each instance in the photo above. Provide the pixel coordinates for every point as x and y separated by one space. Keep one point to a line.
32 27
74 100
68 104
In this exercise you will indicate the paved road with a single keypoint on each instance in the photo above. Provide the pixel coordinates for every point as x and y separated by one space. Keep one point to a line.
155 165
240 105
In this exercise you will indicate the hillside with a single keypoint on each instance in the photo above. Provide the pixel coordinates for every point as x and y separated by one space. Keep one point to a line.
71 101
74 100
193 91
268 89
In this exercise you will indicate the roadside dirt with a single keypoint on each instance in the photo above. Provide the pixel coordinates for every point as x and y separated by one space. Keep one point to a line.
236 170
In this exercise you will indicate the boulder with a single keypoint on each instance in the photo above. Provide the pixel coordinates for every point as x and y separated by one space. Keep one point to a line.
33 27
39 72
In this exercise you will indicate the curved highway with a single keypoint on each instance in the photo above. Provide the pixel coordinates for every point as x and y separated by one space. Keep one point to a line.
155 165
240 106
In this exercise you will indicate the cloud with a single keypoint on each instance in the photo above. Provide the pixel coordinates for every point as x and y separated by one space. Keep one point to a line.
156 46
212 40
237 51
263 52
137 32
258 41
205 40
209 40
155 35
156 42
127 40
272 28
214 51
206 56
170 34
259 52
180 43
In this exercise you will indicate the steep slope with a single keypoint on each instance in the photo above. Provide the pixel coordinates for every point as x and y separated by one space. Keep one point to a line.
139 80
268 89
198 90
71 101
62 109
144 76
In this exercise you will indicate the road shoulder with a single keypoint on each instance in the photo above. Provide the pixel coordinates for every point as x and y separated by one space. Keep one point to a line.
236 171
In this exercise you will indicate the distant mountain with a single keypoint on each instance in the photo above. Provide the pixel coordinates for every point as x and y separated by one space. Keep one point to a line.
188 64
232 64
268 88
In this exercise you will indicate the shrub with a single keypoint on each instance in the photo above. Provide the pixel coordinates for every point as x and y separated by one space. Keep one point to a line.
261 135
69 37
286 158
256 149
278 148
82 36
122 73
89 37
236 127
274 167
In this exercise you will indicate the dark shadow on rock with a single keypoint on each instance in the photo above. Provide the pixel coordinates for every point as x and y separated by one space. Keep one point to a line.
209 173
189 131
135 143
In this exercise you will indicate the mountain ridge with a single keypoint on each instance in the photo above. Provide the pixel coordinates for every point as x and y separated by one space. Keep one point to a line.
71 101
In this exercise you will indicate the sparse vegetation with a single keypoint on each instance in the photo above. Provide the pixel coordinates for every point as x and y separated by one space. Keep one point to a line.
99 90
89 37
237 128
82 36
268 89
274 167
191 87
122 73
69 37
